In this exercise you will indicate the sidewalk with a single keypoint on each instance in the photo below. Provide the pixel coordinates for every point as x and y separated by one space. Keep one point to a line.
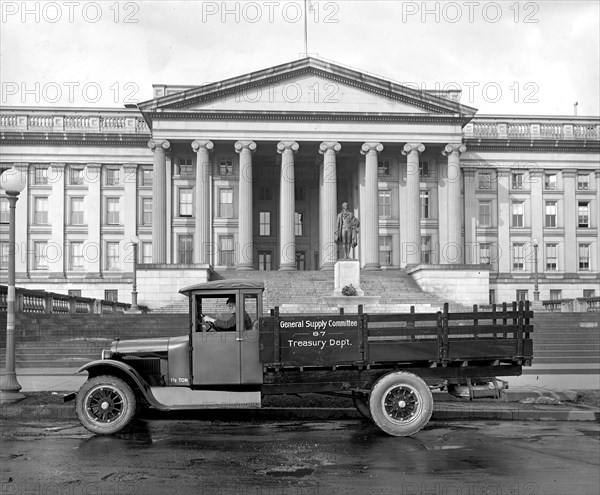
44 389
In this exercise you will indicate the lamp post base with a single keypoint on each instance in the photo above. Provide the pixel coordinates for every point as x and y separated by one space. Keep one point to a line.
9 388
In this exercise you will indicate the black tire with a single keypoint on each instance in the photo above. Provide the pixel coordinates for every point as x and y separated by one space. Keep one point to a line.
105 404
362 406
401 403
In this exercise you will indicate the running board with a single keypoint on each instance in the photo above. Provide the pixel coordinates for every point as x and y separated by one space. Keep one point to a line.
185 398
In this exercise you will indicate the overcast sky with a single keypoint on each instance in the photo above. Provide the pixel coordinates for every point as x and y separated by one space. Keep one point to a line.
508 57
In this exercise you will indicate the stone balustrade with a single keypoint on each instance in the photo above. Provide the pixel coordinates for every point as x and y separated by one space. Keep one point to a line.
578 305
42 302
501 127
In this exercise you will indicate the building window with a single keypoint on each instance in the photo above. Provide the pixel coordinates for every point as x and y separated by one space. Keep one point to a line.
226 250
265 260
226 167
555 294
40 175
226 203
424 199
424 171
77 211
517 180
583 214
300 260
76 256
112 176
4 210
583 182
550 182
298 223
40 262
112 211
426 250
146 211
385 250
146 252
185 167
517 214
264 226
112 256
551 257
146 177
550 214
584 257
185 202
518 259
111 295
76 176
186 249
485 213
589 293
40 211
492 296
522 295
299 193
485 253
385 204
3 255
265 193
74 292
485 180
383 168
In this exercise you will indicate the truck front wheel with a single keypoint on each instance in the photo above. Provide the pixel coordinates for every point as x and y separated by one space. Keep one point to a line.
105 404
400 403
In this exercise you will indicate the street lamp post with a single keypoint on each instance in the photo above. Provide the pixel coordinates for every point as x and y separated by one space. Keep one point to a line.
134 303
12 181
536 288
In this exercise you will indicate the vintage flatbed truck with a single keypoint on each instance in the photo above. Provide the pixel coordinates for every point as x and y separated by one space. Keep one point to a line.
387 364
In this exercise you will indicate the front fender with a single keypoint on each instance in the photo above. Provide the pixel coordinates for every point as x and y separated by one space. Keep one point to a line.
122 370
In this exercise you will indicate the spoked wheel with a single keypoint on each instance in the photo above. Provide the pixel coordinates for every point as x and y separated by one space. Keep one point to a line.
401 403
362 406
105 405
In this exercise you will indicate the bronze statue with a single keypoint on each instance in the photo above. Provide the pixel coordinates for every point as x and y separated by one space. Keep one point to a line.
346 231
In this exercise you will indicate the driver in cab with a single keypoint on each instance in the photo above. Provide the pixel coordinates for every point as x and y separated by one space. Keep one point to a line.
228 325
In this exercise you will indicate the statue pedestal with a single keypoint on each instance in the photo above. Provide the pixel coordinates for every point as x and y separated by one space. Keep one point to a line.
347 272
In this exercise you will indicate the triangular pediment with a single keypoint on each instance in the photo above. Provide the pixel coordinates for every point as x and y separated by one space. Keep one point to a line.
306 86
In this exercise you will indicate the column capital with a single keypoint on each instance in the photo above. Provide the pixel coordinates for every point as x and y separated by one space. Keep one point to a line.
569 172
58 166
162 143
202 144
287 145
242 145
130 166
326 146
597 173
412 148
93 165
454 148
368 147
535 172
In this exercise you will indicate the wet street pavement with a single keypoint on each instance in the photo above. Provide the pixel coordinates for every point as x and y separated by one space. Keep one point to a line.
301 458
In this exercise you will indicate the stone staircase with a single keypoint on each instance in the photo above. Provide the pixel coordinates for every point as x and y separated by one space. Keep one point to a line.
300 291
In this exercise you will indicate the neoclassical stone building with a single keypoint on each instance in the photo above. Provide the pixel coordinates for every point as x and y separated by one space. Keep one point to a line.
249 174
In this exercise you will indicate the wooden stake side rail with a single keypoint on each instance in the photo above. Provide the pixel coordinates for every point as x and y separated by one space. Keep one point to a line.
363 340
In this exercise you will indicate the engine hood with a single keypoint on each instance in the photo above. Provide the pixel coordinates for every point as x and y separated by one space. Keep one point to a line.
141 347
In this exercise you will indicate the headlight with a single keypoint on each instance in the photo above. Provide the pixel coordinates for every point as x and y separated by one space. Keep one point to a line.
106 354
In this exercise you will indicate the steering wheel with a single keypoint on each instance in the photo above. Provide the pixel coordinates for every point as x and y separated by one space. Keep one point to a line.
208 326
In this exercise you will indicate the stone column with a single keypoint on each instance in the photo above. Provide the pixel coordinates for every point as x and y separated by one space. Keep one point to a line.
92 249
471 214
56 250
570 220
245 207
21 226
287 206
452 251
159 200
369 217
327 207
537 220
504 213
131 209
202 251
412 236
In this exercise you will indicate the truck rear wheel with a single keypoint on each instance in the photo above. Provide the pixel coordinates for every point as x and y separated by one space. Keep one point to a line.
401 403
105 404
